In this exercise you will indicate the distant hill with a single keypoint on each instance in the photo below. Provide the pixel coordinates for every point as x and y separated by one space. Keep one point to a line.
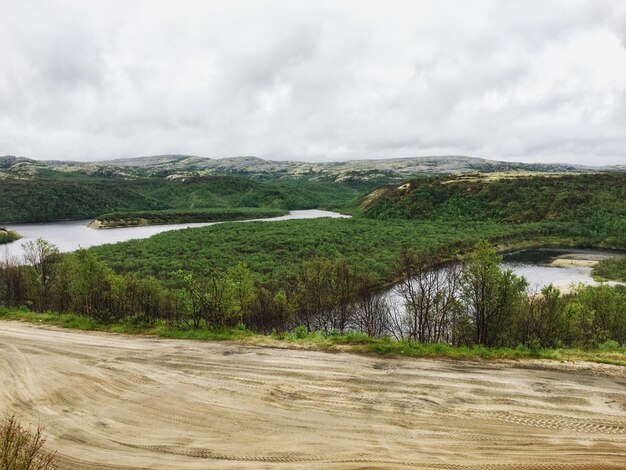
381 170
588 205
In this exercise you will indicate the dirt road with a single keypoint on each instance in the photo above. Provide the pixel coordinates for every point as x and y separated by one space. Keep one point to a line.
110 401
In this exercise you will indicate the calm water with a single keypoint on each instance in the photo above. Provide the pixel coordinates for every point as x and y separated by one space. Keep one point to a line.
69 236
535 265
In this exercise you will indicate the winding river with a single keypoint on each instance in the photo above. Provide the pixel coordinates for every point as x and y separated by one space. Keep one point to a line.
70 236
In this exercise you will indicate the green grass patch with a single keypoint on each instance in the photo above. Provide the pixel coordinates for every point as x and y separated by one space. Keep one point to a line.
353 342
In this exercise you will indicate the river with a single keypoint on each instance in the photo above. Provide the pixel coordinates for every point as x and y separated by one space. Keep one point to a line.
70 236
559 267
541 267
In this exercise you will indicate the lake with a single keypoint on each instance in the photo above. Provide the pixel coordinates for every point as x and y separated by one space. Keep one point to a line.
70 236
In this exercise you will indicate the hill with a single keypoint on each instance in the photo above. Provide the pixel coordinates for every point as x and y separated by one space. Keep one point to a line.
589 205
376 170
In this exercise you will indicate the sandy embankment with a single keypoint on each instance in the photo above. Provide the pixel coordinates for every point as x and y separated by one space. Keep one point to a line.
110 401
574 262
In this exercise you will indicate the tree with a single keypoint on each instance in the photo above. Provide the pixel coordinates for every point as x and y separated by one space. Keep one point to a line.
429 293
243 288
42 256
490 295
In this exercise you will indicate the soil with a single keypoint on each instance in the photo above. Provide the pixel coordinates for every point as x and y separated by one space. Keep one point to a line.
115 401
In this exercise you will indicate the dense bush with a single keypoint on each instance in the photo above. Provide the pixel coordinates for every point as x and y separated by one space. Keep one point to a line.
7 236
611 268
59 196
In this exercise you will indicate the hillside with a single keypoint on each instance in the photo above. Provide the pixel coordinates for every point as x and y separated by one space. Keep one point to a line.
56 195
377 170
593 205
434 216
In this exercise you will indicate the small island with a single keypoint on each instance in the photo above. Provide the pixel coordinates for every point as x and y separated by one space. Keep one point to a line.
177 216
7 236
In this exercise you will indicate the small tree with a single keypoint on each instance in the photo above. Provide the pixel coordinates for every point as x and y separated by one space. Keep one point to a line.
490 295
42 256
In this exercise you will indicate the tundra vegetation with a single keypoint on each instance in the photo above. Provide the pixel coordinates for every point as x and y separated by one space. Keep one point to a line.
7 236
60 196
613 269
178 216
323 280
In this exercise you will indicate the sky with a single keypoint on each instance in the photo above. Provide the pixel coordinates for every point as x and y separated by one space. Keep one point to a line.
518 80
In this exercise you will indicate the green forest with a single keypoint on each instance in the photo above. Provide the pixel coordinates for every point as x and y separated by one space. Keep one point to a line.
439 217
327 276
60 196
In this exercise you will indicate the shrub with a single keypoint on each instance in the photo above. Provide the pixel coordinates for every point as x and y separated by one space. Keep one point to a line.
22 449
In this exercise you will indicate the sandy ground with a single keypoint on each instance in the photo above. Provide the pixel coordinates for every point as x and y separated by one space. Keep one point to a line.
574 262
113 401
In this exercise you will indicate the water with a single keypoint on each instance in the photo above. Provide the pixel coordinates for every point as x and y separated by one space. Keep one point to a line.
70 236
537 266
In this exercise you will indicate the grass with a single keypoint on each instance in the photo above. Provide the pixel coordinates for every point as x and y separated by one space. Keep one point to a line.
353 342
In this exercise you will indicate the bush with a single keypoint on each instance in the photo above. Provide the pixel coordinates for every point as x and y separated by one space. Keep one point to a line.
609 345
21 449
301 332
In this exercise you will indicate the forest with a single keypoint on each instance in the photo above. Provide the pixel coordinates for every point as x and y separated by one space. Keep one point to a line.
462 304
59 196
438 217
435 238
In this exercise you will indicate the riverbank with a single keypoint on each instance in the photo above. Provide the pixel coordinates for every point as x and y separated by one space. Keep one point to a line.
167 217
354 342
8 236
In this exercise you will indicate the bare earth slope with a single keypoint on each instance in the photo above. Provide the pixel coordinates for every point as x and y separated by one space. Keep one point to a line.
110 401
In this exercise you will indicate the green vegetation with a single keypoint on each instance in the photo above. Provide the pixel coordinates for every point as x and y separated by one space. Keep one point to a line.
177 216
321 280
7 236
468 304
435 218
613 269
354 341
591 207
274 251
64 196
23 449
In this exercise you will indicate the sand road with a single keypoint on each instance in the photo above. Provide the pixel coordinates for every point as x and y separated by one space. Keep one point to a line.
114 401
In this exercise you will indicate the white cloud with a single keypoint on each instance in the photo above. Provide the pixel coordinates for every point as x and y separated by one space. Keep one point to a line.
523 80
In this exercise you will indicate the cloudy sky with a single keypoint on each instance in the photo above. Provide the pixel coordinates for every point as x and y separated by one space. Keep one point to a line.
314 80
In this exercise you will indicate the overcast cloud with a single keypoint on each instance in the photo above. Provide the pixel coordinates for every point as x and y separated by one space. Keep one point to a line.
509 80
